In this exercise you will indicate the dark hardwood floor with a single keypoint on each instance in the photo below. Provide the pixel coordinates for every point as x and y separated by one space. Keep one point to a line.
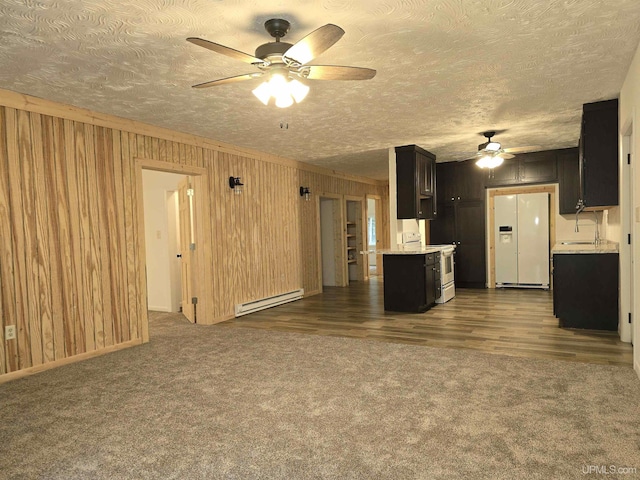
502 321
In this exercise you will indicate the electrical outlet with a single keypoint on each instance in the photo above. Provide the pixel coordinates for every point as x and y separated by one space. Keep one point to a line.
10 332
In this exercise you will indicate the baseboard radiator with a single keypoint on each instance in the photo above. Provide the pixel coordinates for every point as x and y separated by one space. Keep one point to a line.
254 306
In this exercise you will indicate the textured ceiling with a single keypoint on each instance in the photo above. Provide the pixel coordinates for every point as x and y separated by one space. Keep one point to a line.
447 70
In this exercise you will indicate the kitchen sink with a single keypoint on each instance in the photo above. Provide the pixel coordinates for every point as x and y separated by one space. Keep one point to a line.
584 242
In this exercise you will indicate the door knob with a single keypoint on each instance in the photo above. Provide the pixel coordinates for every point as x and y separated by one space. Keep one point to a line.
179 255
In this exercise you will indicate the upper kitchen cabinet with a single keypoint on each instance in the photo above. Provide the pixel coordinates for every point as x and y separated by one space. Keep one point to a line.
599 154
459 181
525 168
568 180
416 182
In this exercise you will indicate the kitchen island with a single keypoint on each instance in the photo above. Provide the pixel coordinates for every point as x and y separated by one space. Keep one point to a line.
411 278
585 285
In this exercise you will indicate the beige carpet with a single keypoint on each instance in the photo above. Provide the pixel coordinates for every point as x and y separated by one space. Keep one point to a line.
208 402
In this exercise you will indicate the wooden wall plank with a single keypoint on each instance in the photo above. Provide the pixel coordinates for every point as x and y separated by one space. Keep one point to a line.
20 271
87 267
60 210
76 237
8 348
108 234
30 236
47 232
128 174
118 211
94 199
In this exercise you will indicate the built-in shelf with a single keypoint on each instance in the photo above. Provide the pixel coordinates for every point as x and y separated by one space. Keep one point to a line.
354 239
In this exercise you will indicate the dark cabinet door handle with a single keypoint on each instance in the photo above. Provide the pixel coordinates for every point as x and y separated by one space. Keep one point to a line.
179 255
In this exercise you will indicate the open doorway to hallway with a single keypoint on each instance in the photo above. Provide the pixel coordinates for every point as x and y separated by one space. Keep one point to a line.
374 234
162 239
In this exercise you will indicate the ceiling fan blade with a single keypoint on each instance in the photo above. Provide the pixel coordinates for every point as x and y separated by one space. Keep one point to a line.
229 52
530 148
223 81
314 44
506 156
335 72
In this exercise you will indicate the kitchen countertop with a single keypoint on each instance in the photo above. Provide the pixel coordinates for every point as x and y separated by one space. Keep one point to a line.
407 251
604 247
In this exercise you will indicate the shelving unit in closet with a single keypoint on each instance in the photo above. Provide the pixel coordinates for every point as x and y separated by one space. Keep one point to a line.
354 237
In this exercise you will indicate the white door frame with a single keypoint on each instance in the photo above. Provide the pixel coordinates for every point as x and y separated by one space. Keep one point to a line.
628 278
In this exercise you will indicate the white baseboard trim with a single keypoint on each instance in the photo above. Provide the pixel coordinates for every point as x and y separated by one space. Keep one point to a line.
636 367
159 309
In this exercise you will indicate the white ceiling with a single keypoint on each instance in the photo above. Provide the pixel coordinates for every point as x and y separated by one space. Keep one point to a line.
447 70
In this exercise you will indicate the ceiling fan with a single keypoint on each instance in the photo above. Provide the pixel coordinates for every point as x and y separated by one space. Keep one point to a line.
491 154
284 64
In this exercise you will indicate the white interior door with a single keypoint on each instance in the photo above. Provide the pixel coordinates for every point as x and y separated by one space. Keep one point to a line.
533 238
506 239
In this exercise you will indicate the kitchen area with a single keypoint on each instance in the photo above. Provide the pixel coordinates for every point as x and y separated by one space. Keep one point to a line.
450 229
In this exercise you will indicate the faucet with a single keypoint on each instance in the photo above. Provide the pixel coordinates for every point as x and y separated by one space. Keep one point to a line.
596 239
579 208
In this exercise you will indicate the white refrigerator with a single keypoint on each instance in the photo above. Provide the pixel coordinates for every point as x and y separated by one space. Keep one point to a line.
522 240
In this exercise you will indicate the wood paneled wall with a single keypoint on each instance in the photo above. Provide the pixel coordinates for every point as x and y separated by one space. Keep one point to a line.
72 263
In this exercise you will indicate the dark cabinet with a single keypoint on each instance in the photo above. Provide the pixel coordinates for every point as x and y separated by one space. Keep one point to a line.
460 181
470 253
411 281
585 290
461 220
415 182
525 168
463 226
568 180
599 171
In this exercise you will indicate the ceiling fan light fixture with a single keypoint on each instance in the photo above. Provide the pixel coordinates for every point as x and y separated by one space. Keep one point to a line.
492 147
263 92
490 161
298 90
284 91
284 100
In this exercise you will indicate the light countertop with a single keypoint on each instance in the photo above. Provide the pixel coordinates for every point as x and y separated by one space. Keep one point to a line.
604 247
407 251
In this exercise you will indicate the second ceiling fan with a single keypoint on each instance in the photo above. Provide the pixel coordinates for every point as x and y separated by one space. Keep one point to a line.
285 64
491 154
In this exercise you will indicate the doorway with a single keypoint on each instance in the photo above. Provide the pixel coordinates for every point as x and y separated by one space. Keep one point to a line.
196 222
163 209
374 234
